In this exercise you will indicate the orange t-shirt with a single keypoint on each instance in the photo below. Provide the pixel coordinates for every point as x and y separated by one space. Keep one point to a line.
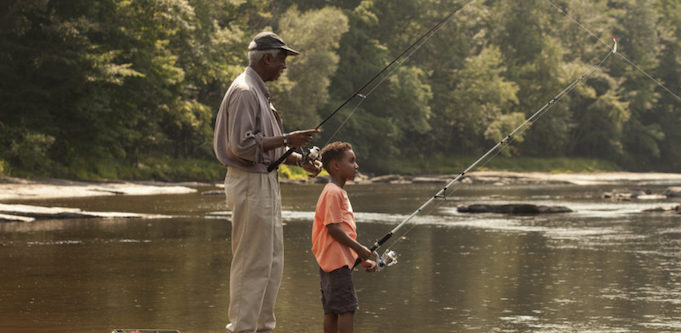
333 206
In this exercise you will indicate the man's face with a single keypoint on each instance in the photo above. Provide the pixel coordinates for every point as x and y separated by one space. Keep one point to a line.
275 65
347 165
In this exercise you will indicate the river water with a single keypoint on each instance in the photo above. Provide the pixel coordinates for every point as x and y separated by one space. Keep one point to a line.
604 268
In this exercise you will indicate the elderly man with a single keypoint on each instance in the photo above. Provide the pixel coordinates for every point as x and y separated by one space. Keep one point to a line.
249 136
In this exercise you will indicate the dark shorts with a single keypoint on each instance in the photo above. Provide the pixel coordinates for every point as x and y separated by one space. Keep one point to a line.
338 291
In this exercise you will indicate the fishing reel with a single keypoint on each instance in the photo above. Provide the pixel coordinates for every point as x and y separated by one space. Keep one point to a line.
388 258
310 155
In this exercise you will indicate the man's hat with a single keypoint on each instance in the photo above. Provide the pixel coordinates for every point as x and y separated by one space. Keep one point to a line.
270 41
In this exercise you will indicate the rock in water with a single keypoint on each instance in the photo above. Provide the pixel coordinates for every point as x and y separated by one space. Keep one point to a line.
14 218
40 212
519 209
673 192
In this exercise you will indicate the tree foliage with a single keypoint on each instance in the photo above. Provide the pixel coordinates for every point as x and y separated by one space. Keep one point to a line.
93 87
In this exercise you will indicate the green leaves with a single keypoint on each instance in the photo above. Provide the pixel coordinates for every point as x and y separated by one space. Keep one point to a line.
303 89
480 103
94 87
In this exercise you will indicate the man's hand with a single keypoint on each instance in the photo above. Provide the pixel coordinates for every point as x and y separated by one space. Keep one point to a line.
301 138
313 167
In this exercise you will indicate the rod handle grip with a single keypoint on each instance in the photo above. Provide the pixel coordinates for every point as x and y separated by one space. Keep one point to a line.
281 159
374 247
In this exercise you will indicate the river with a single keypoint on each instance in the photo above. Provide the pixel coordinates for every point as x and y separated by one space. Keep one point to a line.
604 268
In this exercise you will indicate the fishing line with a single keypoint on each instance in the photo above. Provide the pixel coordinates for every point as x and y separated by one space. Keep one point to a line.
493 152
506 141
501 149
364 97
484 163
385 77
394 68
660 84
409 50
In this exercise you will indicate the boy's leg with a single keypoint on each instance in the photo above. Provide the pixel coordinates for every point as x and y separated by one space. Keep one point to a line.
330 323
345 322
339 300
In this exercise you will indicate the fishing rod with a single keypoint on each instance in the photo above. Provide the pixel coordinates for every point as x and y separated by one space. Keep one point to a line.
420 41
581 26
390 257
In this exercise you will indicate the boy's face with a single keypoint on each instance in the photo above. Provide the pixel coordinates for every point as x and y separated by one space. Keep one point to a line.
347 165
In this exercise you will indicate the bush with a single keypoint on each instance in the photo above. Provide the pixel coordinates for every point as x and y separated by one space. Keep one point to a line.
159 168
29 152
441 164
294 172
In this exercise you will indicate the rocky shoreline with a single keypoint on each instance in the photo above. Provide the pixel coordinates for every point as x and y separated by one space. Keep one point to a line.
14 189
24 189
666 210
501 178
30 213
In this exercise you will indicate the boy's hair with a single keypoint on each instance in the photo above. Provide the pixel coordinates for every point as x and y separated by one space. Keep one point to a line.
333 152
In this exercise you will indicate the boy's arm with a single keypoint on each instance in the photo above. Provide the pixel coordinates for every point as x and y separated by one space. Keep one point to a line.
340 236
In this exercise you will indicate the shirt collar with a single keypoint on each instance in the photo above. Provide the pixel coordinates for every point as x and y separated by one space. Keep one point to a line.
250 72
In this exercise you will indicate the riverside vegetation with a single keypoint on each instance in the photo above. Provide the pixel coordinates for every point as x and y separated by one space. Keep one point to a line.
114 89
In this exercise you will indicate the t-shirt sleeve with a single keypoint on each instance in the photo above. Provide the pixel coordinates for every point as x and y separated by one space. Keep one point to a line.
335 208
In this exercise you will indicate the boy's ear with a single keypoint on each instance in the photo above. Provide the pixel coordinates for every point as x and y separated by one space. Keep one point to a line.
333 165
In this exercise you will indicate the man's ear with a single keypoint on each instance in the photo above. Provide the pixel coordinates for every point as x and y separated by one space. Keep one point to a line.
267 58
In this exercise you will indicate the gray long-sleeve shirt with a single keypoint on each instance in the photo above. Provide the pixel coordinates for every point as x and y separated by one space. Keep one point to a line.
246 116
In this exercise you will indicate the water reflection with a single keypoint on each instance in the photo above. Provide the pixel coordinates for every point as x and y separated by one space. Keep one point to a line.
604 268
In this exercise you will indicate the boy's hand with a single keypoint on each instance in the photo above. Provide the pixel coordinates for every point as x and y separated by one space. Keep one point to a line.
369 265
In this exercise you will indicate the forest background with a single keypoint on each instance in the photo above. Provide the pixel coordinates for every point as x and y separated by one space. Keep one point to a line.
129 89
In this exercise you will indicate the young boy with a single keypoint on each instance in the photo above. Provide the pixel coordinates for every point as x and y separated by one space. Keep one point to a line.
333 240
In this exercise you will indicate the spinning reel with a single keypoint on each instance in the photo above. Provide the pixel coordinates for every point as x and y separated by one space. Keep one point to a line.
388 258
310 154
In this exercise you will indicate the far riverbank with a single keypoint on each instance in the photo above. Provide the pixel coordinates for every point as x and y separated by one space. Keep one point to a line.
24 189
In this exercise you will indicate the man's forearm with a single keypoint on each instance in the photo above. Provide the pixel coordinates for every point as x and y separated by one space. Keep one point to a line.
272 142
294 159
276 142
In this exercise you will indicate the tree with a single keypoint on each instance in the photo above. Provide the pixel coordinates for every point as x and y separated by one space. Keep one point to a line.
302 97
599 118
533 58
643 131
478 109
105 88
669 73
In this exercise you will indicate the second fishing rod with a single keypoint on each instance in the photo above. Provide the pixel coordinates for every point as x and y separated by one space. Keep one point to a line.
394 63
390 257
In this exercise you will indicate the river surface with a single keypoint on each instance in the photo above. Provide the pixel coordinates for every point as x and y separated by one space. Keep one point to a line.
604 268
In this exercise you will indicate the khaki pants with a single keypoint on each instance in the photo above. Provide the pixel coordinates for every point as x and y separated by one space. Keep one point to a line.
257 249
